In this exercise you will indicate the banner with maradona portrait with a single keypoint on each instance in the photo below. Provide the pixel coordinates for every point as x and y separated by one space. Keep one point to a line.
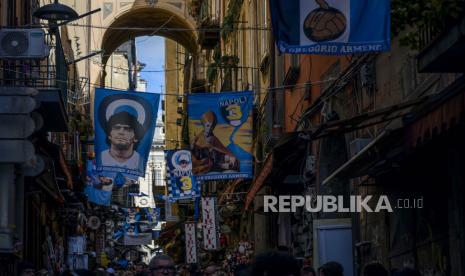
220 133
125 122
331 27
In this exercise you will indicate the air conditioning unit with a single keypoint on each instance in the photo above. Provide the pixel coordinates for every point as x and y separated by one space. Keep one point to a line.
23 43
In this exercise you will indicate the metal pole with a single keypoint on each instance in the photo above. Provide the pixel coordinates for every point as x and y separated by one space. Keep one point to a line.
19 206
6 183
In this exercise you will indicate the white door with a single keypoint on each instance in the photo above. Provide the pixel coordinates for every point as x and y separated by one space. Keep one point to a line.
333 242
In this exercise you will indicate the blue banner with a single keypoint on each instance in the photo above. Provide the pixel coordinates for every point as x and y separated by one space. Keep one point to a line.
125 122
182 184
137 225
98 187
331 27
220 132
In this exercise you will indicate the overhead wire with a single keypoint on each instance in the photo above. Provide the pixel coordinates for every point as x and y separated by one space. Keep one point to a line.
141 71
125 28
186 92
303 94
158 29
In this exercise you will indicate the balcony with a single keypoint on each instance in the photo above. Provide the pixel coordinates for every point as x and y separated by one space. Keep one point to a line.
442 47
229 74
209 35
50 77
273 118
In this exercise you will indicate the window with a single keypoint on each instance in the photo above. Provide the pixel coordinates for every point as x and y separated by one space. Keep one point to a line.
158 178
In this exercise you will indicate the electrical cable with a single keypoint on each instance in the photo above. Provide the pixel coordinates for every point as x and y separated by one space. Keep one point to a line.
157 30
125 28
185 94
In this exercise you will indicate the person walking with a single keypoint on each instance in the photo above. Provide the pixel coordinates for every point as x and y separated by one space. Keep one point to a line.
331 269
162 265
374 269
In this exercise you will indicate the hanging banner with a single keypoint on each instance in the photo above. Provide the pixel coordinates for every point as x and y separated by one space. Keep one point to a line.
141 215
98 187
210 224
182 184
139 239
191 243
138 225
77 257
124 126
220 131
331 27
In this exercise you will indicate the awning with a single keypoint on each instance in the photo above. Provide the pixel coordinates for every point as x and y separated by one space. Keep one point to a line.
53 110
259 181
383 115
376 155
284 161
386 143
47 181
429 117
442 111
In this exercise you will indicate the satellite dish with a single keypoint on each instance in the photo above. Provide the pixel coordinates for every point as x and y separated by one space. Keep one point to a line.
94 223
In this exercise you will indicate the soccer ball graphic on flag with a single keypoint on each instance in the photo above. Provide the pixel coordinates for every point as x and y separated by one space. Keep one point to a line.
324 23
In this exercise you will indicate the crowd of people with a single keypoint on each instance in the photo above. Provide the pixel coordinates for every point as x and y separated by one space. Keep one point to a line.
269 264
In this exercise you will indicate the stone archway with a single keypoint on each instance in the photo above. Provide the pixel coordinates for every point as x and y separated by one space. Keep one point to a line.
146 17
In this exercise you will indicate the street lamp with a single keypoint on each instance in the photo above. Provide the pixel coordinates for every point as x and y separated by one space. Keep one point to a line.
55 12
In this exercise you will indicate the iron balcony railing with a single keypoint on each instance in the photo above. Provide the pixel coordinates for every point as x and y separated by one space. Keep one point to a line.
51 72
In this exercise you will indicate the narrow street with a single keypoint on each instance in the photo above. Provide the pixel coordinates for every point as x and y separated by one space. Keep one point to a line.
232 137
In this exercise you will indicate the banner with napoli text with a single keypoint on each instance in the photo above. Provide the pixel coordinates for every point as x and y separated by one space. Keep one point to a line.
181 183
220 133
331 27
125 122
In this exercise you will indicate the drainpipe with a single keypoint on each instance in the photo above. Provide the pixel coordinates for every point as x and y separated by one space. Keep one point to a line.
89 37
19 207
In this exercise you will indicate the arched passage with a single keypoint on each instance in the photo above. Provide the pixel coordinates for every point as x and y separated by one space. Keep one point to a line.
148 21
